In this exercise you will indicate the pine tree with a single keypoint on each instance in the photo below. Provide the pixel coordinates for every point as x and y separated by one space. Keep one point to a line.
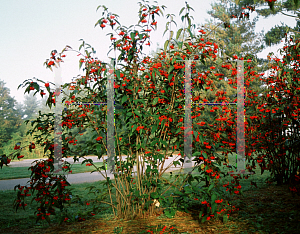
288 8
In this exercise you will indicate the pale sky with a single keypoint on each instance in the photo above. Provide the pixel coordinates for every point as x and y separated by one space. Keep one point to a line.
30 30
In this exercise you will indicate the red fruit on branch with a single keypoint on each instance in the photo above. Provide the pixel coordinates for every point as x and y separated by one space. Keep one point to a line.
16 147
32 146
50 63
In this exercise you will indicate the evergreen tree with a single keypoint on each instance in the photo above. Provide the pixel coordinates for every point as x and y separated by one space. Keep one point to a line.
10 119
234 30
288 8
236 34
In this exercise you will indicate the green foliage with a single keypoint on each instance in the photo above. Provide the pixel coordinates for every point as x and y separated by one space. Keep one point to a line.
154 109
23 134
288 8
240 37
10 118
275 35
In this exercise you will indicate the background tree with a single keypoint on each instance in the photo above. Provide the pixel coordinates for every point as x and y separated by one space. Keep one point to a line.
237 32
27 111
30 107
10 118
288 8
231 26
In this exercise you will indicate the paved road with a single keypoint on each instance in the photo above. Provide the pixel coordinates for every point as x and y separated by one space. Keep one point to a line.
75 178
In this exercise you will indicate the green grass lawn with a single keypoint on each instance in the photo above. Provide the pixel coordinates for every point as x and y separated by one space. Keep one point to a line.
8 172
265 209
26 219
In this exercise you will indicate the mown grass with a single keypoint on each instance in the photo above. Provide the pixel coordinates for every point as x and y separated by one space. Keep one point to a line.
9 172
265 209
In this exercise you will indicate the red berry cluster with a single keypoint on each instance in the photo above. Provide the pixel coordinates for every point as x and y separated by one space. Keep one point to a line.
51 190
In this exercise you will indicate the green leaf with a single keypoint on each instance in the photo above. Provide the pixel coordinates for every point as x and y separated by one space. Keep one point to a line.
196 134
178 33
118 73
176 163
153 74
182 9
138 113
178 130
124 98
213 207
196 153
164 143
155 101
132 35
201 138
210 188
171 68
204 218
191 35
154 128
47 147
180 44
134 127
189 20
80 63
188 46
98 147
36 86
182 18
213 197
225 218
154 195
166 45
170 212
200 214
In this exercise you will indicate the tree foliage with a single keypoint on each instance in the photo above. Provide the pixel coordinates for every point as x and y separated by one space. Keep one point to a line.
288 8
237 37
30 107
10 118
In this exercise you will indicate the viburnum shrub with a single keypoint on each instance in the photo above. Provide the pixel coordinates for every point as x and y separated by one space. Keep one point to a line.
279 110
151 91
